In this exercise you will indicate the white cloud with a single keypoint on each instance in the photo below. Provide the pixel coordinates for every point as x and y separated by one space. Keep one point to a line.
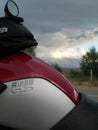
64 44
69 53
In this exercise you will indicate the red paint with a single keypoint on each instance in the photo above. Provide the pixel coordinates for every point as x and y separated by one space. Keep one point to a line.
21 65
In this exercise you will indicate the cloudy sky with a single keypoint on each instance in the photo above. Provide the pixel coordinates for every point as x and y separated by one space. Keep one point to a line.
64 29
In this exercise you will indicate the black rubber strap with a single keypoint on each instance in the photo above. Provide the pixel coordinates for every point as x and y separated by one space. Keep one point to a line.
2 87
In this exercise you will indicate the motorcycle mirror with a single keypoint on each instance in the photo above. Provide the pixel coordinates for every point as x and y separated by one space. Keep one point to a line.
11 8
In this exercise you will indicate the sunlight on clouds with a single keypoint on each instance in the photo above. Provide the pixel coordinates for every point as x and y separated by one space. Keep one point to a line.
65 45
57 54
69 53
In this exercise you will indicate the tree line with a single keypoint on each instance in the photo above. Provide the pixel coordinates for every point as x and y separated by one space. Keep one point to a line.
89 63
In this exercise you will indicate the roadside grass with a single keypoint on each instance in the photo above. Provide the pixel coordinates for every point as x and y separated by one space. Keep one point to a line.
77 78
82 81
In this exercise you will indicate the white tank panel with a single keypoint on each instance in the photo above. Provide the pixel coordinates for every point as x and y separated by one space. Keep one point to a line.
33 104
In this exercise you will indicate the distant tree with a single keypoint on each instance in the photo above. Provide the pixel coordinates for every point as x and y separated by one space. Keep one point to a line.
30 50
56 66
90 61
75 73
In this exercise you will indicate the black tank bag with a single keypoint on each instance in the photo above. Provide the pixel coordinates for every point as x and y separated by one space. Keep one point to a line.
14 36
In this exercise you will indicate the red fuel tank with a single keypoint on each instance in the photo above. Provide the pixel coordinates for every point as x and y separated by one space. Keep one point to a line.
21 65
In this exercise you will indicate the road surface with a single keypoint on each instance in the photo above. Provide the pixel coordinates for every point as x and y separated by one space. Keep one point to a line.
91 92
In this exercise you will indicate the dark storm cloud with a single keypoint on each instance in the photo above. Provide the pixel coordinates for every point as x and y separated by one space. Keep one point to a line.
47 16
53 15
83 35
